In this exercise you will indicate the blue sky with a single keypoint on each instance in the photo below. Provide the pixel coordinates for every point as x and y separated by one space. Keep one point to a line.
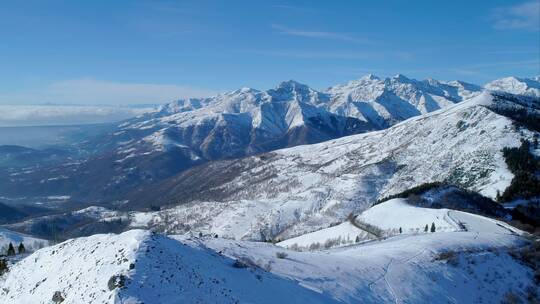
107 52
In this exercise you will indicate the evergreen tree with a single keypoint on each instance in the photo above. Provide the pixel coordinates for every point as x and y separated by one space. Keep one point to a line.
22 249
357 239
11 250
3 266
433 227
400 230
426 228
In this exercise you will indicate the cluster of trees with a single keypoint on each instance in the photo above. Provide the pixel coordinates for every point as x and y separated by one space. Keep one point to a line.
432 229
521 116
426 228
10 252
524 166
420 189
3 266
11 249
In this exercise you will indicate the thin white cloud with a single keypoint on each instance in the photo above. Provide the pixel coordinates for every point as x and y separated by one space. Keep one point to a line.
521 16
329 54
98 92
319 34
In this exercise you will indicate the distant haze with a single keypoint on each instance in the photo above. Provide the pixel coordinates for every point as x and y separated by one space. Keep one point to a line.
54 115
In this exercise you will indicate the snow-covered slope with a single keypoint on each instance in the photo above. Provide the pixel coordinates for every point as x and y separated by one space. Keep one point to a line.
388 218
343 234
141 267
30 243
471 265
293 191
448 266
396 213
518 86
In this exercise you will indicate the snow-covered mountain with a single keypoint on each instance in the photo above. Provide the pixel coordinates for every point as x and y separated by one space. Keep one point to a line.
385 102
293 191
141 267
518 86
466 259
185 133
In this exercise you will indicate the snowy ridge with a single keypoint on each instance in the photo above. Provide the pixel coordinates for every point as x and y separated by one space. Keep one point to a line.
390 100
518 86
321 184
185 133
140 267
388 218
137 266
447 266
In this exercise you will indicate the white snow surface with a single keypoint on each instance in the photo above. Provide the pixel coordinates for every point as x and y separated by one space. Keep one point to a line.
406 268
156 269
396 213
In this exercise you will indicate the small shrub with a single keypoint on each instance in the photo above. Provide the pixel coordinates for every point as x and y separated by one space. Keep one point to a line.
511 298
450 256
281 255
116 281
58 297
244 262
3 266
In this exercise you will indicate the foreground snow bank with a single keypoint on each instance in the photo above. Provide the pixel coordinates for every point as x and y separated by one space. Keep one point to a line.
450 267
140 267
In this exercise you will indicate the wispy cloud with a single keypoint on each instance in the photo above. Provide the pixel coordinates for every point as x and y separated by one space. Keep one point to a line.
521 16
91 92
319 34
330 54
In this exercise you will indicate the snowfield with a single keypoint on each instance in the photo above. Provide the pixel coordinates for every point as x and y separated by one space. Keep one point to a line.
140 267
449 266
388 217
396 213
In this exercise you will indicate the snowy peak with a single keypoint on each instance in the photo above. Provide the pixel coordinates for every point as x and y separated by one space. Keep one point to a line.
401 78
518 86
370 77
291 90
385 102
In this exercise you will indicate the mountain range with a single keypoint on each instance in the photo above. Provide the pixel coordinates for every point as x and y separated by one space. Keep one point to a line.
155 146
377 191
